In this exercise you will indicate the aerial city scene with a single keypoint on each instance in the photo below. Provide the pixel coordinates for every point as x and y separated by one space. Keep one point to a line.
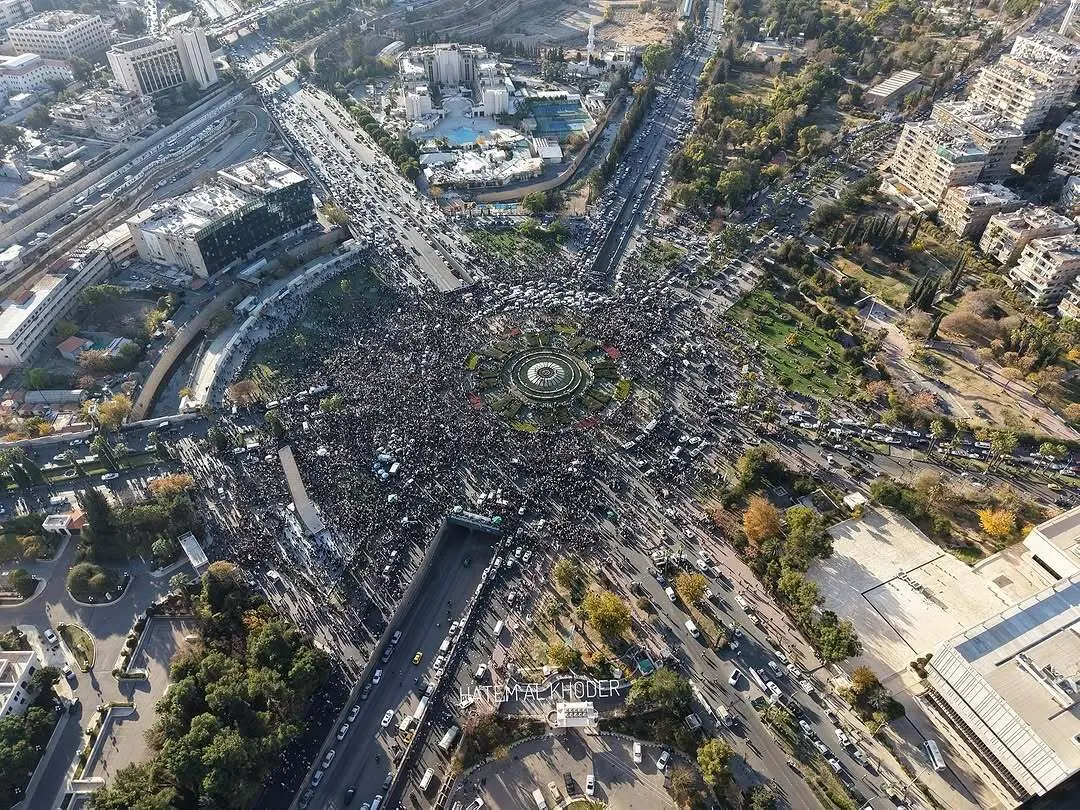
539 404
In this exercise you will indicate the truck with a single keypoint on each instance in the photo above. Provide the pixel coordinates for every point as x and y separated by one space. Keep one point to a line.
725 717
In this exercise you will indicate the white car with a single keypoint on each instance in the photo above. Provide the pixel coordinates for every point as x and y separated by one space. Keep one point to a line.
637 753
590 785
734 679
110 476
662 762
375 678
387 718
343 731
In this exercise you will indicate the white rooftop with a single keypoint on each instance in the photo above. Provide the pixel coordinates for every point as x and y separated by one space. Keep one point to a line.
15 310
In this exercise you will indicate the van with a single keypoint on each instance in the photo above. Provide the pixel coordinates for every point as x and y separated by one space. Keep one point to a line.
538 797
405 723
421 707
376 803
425 780
670 593
445 646
742 602
446 744
499 625
691 628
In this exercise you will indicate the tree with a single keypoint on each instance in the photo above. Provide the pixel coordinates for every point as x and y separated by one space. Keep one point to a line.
568 573
219 441
564 658
656 59
11 138
661 689
836 639
536 202
998 523
683 786
1049 377
761 521
691 587
44 678
607 613
168 485
345 286
714 759
80 68
20 581
112 412
806 538
243 392
761 797
38 119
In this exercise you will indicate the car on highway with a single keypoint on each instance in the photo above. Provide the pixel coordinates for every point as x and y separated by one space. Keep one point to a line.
350 794
387 718
416 659
317 778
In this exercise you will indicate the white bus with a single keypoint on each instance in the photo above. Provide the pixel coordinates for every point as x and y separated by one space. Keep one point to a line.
933 753
538 797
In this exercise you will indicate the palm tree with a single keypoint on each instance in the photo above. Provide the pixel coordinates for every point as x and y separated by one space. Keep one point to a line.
937 430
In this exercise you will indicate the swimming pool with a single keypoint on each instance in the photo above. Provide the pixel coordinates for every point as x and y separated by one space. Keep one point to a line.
460 136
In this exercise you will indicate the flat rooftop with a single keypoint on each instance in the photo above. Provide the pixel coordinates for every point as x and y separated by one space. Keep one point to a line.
897 81
261 174
191 212
904 594
1031 217
1019 670
53 21
15 310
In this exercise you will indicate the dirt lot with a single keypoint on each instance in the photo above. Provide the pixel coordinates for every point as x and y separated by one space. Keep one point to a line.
568 23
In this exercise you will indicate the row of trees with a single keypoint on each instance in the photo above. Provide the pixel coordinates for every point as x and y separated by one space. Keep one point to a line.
403 151
235 701
643 96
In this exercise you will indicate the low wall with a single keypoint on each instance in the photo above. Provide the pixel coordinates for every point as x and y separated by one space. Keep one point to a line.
510 194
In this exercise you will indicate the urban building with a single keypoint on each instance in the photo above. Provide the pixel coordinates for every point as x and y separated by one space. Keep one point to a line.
113 114
1070 195
445 64
240 209
966 210
453 71
1020 92
12 12
1046 268
990 132
16 669
28 317
1067 140
1054 546
891 91
1005 692
1059 55
54 154
1007 234
930 157
29 73
149 65
60 35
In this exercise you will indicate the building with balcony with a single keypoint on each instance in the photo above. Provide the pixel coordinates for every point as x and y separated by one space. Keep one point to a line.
1055 53
16 669
989 131
1067 141
1007 234
112 113
930 157
1020 92
60 35
29 73
966 210
13 12
1046 269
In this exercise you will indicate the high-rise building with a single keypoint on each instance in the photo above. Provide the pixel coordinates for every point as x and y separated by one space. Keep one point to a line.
993 134
12 12
930 157
965 210
60 35
211 226
1020 92
1067 140
1007 234
1046 268
151 65
16 669
1006 692
109 113
1059 55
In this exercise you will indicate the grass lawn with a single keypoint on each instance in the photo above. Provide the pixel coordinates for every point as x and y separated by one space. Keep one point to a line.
510 242
80 643
814 365
890 283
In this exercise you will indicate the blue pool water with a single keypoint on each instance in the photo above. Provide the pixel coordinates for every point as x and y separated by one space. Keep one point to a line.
461 136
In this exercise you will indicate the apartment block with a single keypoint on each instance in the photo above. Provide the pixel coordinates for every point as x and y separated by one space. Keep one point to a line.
1055 53
1007 234
930 157
60 35
1046 269
149 65
1067 139
1019 92
29 73
16 669
13 12
1070 196
112 114
993 134
966 210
